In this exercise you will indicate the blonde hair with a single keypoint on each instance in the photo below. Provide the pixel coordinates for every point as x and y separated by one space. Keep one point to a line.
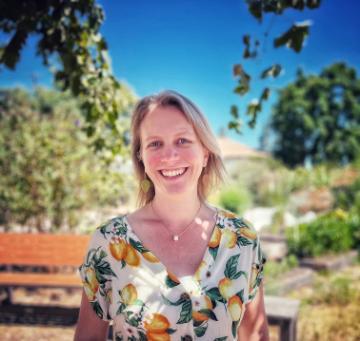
212 175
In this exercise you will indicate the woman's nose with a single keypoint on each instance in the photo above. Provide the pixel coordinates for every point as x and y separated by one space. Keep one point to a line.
169 153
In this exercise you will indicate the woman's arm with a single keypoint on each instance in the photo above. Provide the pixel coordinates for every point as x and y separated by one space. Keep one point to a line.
90 327
254 326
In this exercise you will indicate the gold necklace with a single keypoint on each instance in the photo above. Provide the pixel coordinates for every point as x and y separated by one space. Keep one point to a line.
175 237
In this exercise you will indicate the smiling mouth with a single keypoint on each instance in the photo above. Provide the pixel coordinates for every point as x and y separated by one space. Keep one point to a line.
174 173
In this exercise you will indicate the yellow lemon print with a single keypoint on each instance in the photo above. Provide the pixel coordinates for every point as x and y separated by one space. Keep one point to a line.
228 214
247 233
215 238
198 316
225 288
235 307
229 238
118 248
150 257
132 258
254 273
158 324
109 296
199 269
91 279
91 295
129 294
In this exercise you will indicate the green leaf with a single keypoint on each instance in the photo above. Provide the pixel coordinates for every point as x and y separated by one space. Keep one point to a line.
11 52
234 111
138 302
142 336
234 327
133 322
244 79
246 39
272 71
170 331
242 88
138 246
200 331
185 314
240 294
121 308
215 295
238 274
223 338
255 8
213 251
231 265
294 38
265 94
242 241
97 308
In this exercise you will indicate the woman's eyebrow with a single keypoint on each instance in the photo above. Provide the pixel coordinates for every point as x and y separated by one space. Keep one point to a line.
182 132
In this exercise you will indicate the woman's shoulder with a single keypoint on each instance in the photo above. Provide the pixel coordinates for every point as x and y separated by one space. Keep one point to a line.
111 227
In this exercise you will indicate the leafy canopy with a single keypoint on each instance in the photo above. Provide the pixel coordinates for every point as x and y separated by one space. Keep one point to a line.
317 118
70 42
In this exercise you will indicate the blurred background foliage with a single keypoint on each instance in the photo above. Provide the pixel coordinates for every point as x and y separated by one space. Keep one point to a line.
48 172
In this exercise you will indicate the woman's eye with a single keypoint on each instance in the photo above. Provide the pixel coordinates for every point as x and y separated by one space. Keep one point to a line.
182 141
154 144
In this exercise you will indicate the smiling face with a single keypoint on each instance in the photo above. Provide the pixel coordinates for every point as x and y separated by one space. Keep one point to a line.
172 154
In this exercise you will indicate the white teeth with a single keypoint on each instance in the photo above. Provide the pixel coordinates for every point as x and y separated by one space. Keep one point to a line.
174 172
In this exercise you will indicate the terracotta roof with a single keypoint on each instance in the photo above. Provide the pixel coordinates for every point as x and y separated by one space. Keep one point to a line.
234 150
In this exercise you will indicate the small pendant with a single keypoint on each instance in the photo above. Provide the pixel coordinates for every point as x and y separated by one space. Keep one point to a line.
175 238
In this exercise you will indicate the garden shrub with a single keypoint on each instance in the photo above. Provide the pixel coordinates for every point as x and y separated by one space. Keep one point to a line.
235 199
348 196
48 173
330 233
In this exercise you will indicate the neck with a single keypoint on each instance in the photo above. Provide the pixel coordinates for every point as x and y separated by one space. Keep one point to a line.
176 213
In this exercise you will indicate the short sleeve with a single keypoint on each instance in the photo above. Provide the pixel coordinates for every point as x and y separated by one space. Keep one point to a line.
96 274
257 268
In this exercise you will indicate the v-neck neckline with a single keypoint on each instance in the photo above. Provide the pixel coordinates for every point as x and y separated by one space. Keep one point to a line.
206 257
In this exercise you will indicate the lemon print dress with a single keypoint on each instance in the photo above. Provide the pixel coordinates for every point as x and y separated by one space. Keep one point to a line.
126 283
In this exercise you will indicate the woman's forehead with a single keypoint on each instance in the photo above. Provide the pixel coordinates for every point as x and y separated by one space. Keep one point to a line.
165 120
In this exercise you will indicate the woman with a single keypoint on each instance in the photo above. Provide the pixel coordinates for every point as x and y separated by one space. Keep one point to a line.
176 268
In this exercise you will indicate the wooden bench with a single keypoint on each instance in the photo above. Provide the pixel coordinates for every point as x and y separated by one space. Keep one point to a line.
38 261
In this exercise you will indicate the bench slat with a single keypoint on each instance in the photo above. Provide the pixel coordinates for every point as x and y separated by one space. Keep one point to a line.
42 280
42 249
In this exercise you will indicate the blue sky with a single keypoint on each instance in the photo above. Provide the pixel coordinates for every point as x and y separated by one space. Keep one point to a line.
191 46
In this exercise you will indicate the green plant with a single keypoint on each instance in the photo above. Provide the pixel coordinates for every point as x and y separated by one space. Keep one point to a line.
235 199
48 173
336 290
274 270
330 233
348 196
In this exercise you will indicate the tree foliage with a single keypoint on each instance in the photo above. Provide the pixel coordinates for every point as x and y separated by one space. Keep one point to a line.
48 173
70 42
293 38
317 118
